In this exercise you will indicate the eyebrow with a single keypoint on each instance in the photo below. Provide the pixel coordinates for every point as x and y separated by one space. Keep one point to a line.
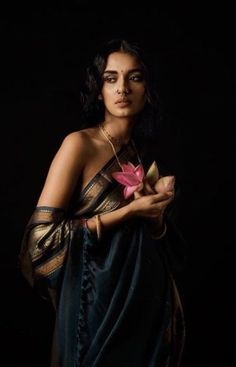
129 71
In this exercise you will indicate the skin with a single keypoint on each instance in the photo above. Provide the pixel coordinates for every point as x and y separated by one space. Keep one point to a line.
123 80
83 153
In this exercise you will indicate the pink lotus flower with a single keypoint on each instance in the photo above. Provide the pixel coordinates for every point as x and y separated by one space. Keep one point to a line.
131 177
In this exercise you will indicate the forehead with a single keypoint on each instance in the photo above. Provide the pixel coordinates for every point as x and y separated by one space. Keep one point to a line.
121 62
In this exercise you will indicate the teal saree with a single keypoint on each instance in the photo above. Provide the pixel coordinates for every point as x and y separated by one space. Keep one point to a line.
115 300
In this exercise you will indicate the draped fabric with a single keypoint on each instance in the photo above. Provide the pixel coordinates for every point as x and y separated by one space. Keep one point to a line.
116 300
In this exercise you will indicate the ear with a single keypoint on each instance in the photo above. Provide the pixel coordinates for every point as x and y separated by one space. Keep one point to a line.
100 97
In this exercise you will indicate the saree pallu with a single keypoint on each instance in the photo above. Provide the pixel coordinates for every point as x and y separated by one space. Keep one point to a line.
116 300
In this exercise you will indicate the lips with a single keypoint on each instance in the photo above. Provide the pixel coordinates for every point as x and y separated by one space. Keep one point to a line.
122 101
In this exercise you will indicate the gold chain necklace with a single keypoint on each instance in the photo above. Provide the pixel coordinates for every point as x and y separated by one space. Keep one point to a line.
116 141
109 138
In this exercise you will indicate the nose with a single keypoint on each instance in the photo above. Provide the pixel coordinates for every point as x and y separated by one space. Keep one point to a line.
123 88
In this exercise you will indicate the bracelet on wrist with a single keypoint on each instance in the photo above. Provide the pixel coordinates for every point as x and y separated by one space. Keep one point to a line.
98 226
160 235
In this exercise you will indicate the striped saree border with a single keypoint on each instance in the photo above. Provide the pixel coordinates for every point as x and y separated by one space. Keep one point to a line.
44 244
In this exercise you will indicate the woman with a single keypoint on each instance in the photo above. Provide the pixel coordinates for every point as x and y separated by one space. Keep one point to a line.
100 242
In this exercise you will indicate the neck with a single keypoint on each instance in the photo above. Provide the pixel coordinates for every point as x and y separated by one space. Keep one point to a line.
120 129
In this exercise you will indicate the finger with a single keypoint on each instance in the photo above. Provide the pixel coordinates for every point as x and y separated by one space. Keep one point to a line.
167 201
140 187
138 194
170 192
162 196
171 195
162 205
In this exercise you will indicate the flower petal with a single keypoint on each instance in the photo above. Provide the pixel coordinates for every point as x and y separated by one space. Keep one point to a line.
129 190
126 178
165 183
152 174
128 167
139 171
131 165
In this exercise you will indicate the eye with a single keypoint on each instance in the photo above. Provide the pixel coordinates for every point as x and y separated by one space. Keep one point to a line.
136 77
109 79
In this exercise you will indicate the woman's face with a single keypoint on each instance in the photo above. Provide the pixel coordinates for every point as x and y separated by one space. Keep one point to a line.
123 91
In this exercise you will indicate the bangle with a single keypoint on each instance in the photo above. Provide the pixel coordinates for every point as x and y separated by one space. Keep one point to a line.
98 226
162 233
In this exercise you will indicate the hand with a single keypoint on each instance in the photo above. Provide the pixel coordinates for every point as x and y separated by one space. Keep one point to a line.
144 189
150 205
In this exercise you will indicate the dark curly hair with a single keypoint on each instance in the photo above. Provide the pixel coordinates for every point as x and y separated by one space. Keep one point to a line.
93 109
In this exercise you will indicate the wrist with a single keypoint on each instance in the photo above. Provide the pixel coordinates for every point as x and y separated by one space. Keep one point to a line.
130 210
159 233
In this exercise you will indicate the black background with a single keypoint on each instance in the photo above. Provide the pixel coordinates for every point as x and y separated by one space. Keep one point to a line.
44 48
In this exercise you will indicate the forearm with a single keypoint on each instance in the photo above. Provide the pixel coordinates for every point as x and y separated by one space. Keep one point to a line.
149 207
111 219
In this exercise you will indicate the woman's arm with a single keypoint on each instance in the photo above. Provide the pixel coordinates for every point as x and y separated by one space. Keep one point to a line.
148 206
64 172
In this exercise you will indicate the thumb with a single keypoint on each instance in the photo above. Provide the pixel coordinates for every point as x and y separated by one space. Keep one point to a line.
138 194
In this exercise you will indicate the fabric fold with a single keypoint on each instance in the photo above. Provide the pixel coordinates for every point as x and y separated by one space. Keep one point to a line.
44 249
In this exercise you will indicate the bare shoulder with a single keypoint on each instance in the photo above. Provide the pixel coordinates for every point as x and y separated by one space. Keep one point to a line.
75 143
75 139
66 168
82 138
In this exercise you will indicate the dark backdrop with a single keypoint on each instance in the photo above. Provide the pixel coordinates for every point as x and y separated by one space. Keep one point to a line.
44 49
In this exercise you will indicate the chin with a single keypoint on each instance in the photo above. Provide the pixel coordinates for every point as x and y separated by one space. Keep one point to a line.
126 113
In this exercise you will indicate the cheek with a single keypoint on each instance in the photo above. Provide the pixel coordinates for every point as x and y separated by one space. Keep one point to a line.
141 101
142 95
141 91
107 93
